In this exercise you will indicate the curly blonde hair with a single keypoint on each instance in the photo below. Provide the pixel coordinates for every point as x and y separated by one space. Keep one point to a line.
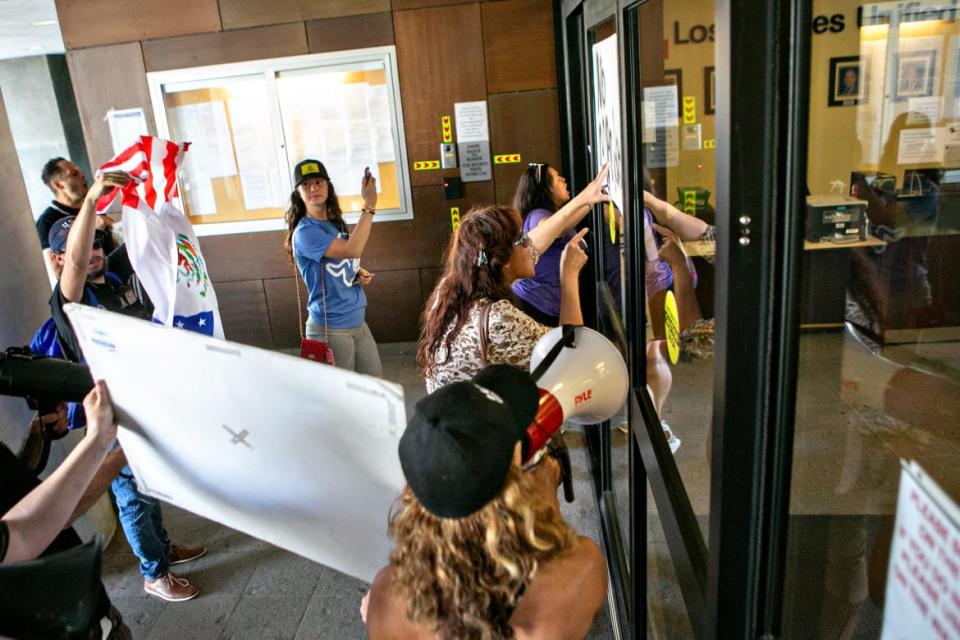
463 577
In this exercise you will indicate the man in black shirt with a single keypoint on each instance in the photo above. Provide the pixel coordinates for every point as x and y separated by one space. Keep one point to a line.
84 279
69 186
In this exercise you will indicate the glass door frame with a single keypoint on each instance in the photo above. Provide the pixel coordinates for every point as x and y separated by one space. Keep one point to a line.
732 587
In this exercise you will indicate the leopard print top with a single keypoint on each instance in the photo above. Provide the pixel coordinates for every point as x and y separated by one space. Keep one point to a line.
511 336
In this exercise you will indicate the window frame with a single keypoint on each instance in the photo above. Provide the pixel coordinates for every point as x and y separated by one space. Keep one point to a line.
268 68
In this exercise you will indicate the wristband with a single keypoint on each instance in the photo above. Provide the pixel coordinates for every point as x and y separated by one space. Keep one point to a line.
369 210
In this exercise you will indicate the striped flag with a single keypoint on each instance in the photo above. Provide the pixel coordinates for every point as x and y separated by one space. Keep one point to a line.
161 243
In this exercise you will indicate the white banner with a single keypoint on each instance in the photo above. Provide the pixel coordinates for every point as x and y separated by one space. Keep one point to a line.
299 454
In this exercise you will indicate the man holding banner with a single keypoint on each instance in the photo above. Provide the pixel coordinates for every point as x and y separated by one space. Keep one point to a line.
85 279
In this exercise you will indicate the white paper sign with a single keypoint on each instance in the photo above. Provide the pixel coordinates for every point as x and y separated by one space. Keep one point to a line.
925 110
471 120
258 175
923 577
921 145
296 453
205 125
126 127
606 107
660 109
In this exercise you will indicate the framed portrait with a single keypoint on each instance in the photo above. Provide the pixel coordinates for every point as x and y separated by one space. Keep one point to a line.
849 83
915 74
709 91
674 76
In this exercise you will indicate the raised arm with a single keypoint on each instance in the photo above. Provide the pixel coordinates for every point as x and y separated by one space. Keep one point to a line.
353 247
41 514
76 261
686 227
571 262
571 213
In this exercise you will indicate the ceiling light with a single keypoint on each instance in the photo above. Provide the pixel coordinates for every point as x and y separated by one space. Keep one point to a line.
44 23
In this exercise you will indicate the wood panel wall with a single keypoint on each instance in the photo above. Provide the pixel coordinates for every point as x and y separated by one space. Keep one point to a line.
448 51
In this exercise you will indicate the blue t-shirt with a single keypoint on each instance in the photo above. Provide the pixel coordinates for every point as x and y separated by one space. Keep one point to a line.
543 289
346 302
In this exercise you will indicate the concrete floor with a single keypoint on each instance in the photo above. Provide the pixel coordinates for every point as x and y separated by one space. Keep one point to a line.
251 589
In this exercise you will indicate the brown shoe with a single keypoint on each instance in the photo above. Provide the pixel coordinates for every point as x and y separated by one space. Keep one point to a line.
182 553
171 588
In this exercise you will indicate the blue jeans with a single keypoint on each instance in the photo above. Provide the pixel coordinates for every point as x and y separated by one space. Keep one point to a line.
142 523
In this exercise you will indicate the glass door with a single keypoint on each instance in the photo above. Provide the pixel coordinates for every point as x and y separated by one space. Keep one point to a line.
879 356
696 274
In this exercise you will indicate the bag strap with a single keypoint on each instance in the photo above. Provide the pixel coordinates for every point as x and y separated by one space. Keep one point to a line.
296 283
323 294
323 289
484 332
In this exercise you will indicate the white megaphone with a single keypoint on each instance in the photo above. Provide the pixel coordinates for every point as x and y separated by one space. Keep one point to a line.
586 382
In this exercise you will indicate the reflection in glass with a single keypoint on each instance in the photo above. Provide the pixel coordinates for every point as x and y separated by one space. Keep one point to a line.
230 171
880 358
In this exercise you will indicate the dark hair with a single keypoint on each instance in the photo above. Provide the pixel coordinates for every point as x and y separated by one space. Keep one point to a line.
51 171
535 189
298 209
491 229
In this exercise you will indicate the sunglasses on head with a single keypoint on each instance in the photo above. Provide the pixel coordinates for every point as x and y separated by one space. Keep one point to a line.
523 240
537 168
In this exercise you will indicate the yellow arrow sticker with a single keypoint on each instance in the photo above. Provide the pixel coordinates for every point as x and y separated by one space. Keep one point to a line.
671 325
689 110
709 143
455 217
445 129
426 165
507 158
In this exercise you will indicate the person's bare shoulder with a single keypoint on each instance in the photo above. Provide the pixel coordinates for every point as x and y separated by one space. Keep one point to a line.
386 613
565 595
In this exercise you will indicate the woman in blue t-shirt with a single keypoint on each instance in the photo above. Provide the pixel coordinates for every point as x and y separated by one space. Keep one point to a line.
540 193
328 258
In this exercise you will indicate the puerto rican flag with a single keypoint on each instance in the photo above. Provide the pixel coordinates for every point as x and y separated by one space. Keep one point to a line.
161 243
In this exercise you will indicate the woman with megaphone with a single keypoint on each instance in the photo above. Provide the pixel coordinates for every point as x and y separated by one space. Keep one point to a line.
471 320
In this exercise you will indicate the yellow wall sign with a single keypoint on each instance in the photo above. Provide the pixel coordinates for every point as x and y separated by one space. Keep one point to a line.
689 110
507 158
671 326
710 143
455 217
426 165
445 129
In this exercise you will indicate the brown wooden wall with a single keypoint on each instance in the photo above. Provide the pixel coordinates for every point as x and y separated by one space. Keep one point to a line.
501 51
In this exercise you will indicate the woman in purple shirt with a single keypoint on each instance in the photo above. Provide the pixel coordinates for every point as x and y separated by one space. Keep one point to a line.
540 193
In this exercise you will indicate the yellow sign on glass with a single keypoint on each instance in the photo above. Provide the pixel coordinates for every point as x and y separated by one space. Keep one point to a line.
611 217
671 326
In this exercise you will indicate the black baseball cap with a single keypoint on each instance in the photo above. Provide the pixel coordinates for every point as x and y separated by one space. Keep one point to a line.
307 169
57 237
458 446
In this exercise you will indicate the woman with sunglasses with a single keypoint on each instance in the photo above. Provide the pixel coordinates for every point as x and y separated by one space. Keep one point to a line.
540 193
470 320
